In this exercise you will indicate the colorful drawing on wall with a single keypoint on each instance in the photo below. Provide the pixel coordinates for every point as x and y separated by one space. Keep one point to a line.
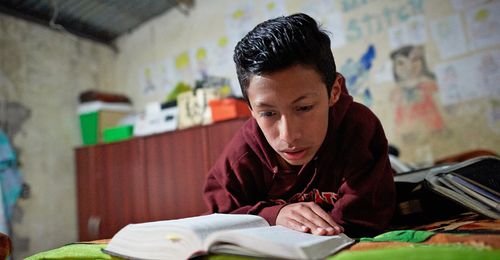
164 75
200 61
240 19
384 73
469 78
483 25
320 8
148 79
368 21
411 32
168 77
273 8
221 62
328 15
489 68
447 33
220 56
461 5
493 115
334 24
357 74
450 85
415 109
184 67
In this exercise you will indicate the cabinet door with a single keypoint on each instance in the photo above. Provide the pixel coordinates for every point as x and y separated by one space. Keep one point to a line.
146 179
88 194
175 166
112 188
123 185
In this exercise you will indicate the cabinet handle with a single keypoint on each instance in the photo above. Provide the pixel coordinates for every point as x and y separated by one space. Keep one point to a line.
93 227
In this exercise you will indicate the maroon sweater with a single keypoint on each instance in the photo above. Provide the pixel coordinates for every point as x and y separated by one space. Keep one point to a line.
350 176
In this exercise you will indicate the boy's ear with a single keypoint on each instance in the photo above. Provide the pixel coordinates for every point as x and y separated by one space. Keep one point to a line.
335 92
252 112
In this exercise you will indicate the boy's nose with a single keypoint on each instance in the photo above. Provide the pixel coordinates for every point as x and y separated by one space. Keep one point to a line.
289 130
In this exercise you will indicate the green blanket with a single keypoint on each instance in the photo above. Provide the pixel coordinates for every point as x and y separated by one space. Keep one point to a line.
417 251
421 252
74 251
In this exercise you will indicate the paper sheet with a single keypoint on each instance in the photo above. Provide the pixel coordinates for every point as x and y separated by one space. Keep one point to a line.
412 32
273 8
483 24
469 78
448 35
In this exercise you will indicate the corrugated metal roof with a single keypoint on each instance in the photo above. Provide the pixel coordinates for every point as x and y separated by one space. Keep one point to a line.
99 20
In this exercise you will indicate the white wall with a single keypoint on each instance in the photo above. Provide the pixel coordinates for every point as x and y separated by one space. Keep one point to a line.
44 71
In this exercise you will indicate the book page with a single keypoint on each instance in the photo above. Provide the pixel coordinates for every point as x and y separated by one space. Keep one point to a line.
276 241
205 225
417 175
175 239
153 240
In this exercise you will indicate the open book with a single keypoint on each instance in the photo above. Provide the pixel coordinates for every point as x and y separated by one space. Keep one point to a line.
248 235
474 183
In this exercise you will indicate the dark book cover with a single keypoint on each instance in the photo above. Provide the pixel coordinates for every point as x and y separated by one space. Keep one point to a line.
483 173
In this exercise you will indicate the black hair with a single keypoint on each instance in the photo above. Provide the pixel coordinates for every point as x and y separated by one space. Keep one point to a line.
280 43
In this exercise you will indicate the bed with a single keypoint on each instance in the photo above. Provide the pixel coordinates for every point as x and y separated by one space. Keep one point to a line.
466 236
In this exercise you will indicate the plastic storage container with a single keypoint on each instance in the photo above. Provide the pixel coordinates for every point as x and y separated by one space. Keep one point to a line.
118 133
97 116
228 108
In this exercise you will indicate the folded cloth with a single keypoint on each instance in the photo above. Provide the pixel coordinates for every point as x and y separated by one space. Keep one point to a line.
11 182
413 236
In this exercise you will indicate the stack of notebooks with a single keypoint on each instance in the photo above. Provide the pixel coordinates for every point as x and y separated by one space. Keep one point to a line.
474 183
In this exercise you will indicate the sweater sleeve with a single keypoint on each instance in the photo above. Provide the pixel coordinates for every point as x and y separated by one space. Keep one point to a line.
366 194
239 189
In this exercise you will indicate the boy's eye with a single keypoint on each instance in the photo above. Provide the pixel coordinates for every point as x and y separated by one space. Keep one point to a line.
304 108
267 114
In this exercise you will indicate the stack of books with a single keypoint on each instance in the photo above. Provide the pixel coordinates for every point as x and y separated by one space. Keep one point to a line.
474 183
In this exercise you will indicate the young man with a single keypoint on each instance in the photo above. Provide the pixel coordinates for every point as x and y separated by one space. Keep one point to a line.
310 158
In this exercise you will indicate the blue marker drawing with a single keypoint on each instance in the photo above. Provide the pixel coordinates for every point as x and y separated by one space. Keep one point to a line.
357 74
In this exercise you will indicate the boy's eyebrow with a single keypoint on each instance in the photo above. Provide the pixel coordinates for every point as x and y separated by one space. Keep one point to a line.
305 96
312 94
260 103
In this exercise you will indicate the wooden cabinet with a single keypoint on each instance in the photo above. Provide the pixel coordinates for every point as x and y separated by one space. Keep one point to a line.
176 167
145 179
111 179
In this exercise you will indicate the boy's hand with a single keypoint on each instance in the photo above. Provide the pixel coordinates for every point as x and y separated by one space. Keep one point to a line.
308 217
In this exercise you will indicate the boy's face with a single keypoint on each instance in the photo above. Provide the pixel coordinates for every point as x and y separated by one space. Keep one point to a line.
291 109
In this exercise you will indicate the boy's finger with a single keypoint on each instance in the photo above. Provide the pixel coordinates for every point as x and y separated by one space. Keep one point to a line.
295 225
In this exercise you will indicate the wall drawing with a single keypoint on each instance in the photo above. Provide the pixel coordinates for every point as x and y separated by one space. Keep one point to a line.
416 109
357 75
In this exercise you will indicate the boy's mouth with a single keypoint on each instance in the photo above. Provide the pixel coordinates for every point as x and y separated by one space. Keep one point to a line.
294 155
